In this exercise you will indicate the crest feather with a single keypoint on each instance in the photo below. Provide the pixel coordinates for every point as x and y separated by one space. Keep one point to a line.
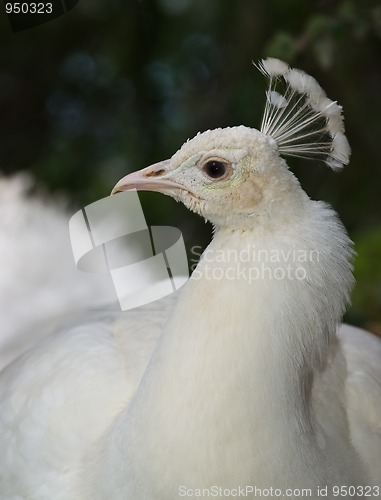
300 117
273 67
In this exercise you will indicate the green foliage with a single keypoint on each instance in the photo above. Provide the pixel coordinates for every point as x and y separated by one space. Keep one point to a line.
367 295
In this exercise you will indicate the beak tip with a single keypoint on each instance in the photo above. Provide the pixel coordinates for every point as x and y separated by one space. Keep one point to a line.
118 188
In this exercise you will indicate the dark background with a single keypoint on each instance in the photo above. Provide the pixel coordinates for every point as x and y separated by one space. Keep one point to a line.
113 86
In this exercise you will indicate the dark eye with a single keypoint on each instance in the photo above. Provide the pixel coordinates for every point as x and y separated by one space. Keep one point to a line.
215 169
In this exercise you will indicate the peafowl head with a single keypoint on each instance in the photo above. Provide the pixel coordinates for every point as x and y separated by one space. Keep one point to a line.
233 175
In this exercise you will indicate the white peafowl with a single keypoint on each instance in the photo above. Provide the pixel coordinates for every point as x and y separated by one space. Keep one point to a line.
242 384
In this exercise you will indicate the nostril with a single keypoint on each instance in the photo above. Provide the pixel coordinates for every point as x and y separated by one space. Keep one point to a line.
156 173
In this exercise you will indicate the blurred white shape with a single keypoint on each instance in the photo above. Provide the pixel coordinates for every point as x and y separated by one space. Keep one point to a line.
111 235
79 235
143 282
115 216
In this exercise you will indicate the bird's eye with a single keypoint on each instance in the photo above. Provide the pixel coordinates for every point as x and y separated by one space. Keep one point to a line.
216 169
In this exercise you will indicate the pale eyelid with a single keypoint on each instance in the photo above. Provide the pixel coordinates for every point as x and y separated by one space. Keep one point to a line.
233 155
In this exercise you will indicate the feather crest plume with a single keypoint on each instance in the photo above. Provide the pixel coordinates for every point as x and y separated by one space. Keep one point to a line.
300 117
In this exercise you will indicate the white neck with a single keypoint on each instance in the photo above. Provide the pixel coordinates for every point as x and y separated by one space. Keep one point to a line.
227 392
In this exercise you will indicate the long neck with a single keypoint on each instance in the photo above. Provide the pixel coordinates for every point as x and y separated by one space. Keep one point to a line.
229 384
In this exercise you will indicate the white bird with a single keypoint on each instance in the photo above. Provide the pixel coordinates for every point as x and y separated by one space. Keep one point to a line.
39 286
242 381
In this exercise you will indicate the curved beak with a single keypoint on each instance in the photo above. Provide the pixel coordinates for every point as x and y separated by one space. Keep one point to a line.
153 178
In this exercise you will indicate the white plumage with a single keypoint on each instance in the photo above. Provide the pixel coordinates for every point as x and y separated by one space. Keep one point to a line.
39 286
241 380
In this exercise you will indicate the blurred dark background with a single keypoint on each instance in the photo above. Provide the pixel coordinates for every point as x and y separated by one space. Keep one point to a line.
114 86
